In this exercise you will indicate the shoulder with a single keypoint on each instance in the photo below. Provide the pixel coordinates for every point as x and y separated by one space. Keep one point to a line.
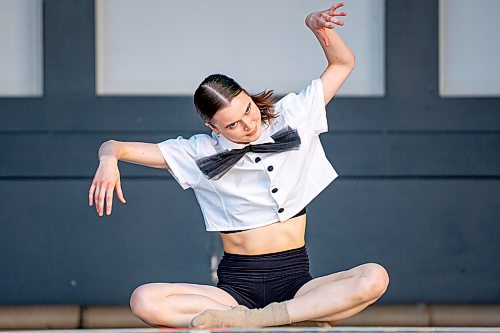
311 93
296 107
201 140
197 144
306 108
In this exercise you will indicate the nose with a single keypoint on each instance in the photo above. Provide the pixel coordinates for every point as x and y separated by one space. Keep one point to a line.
247 124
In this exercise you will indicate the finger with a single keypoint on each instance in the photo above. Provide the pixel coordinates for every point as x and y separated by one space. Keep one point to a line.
331 19
102 194
333 10
326 22
119 192
339 13
336 6
91 194
109 200
328 18
96 198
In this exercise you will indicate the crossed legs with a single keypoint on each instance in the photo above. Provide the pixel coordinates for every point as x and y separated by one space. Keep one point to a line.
338 296
330 298
176 304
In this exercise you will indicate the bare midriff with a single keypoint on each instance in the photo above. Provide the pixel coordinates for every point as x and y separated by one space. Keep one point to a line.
276 237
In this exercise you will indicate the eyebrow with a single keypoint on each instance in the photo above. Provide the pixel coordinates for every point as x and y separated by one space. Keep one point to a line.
248 108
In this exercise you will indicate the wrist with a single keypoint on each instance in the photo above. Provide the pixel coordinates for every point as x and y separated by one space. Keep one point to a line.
108 158
108 151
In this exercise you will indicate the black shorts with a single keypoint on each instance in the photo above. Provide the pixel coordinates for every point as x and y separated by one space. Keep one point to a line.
257 280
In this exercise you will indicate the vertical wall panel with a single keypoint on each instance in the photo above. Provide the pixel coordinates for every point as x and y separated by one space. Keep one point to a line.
21 48
158 47
417 192
469 45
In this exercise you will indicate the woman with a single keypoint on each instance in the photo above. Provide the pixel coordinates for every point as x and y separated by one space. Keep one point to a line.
253 179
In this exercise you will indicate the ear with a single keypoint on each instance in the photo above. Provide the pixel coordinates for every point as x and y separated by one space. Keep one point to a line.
213 128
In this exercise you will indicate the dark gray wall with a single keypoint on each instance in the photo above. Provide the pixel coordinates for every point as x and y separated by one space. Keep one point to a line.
419 188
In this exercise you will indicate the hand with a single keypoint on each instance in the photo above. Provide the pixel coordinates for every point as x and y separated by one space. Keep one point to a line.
320 21
106 180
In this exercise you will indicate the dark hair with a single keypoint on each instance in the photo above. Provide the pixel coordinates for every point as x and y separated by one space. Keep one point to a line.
217 91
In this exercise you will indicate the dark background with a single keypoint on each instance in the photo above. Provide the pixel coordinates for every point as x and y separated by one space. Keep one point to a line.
418 192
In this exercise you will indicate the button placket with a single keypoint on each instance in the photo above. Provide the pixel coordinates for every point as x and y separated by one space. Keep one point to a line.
276 196
269 169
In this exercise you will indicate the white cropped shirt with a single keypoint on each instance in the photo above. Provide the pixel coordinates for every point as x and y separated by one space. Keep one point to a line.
260 189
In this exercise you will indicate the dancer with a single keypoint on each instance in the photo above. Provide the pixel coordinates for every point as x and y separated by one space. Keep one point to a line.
253 178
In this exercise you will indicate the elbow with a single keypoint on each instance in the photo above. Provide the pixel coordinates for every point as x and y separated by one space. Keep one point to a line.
351 61
347 61
107 143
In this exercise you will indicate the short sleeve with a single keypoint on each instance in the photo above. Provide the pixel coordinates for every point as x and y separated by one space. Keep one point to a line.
181 155
307 108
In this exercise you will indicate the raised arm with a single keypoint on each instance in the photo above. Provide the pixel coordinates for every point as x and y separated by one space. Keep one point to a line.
340 58
107 176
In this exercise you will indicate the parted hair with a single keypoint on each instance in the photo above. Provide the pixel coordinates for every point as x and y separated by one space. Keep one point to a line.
217 91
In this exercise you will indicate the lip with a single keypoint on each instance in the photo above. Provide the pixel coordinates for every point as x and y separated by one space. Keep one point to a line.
253 133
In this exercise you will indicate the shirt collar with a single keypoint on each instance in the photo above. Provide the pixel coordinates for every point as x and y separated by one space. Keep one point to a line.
265 137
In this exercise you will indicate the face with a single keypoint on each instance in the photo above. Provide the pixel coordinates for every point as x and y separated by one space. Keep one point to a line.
240 122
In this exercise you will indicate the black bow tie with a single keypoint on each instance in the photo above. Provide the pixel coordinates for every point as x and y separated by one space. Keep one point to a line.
215 166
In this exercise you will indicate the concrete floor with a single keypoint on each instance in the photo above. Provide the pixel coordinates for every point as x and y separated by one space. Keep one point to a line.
286 329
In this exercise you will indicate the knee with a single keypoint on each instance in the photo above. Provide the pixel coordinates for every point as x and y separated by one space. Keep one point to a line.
373 281
143 303
140 300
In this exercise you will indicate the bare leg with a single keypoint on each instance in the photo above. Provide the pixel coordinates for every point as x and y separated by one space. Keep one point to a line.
338 296
176 304
330 298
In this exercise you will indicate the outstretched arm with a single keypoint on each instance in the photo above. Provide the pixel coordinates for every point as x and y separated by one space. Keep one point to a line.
340 58
107 176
